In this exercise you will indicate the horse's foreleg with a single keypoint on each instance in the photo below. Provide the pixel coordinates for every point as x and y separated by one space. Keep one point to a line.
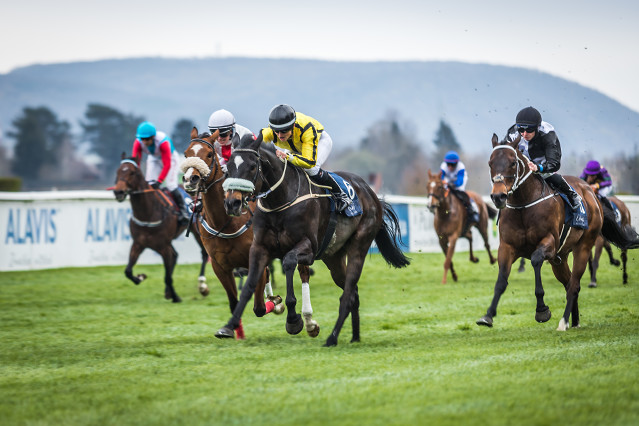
312 327
134 254
259 307
258 259
543 252
448 263
505 258
294 322
593 261
202 287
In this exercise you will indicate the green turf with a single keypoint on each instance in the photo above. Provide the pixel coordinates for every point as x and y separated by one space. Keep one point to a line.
87 347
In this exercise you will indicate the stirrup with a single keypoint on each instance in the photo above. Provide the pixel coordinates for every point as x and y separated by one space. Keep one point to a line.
342 201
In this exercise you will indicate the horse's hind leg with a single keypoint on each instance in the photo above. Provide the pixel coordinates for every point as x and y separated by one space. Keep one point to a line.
169 257
312 327
483 230
611 256
349 301
471 257
580 258
134 254
593 261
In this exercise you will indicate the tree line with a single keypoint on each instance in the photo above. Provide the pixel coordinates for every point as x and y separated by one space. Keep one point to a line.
390 155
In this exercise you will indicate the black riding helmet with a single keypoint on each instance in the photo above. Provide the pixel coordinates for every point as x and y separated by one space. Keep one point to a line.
281 118
528 117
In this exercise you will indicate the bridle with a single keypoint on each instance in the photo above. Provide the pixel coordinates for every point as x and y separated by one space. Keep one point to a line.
520 177
155 192
248 186
204 185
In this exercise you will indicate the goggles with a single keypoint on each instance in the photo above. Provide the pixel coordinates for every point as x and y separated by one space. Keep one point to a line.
521 128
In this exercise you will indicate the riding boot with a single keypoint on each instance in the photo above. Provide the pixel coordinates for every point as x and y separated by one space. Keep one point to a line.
471 214
342 200
559 183
183 214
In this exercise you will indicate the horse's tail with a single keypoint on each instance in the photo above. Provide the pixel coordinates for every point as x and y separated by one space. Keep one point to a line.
624 237
492 212
389 237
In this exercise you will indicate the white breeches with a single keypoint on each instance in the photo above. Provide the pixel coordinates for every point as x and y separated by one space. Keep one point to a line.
154 168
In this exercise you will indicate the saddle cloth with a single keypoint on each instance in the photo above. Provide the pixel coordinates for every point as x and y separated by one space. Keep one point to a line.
617 212
578 219
354 209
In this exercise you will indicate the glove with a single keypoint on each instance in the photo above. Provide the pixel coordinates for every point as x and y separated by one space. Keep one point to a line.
154 184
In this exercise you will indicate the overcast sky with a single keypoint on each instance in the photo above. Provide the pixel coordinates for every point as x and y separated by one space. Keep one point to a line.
593 43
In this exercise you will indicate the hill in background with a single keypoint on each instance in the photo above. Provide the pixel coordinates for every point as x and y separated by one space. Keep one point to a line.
346 97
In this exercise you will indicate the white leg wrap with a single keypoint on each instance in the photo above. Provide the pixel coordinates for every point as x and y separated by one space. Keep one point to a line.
307 309
268 289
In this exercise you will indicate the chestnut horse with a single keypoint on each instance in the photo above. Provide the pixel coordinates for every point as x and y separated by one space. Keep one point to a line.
153 224
601 243
292 219
450 218
226 239
531 226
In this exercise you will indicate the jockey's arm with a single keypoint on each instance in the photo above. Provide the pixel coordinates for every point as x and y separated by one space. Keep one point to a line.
136 152
165 152
308 157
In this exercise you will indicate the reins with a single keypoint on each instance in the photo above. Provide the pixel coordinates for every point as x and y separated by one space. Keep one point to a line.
157 192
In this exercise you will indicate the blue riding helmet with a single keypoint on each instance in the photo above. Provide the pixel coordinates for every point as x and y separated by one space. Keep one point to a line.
451 157
146 129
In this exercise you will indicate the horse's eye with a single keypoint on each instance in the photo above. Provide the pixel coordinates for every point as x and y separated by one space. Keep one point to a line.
513 164
209 155
252 168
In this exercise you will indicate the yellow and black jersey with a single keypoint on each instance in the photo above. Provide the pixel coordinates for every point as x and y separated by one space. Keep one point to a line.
303 141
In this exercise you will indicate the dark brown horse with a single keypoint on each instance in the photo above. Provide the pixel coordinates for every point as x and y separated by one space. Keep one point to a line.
153 224
450 221
531 225
602 243
291 224
226 239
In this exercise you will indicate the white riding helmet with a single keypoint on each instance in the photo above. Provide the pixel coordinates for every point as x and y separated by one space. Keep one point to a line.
223 121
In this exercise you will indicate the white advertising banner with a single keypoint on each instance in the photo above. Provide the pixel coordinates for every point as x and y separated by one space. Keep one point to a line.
41 230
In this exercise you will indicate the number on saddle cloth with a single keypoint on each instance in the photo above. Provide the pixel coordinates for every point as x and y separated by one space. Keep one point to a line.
354 209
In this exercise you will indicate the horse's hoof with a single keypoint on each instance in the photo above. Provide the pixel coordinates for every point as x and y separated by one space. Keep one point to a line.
203 289
485 320
475 260
615 262
225 333
140 278
455 277
313 329
593 284
544 315
331 341
295 327
177 300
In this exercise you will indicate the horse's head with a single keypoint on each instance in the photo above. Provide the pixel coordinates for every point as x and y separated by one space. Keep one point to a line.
244 175
201 164
128 178
507 166
436 191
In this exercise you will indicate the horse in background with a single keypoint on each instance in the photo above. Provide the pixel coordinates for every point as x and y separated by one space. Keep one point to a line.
153 224
227 239
531 225
602 243
295 222
451 221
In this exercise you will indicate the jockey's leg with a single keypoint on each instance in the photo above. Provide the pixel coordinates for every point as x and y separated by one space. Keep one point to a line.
183 217
558 182
342 200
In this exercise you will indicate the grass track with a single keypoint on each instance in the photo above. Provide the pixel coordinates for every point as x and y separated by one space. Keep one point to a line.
85 346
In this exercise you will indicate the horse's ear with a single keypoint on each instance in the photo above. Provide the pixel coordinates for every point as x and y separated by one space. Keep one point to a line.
495 140
194 133
430 175
515 143
123 156
137 158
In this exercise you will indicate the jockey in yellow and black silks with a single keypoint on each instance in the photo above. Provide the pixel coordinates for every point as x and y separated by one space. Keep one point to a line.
303 141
